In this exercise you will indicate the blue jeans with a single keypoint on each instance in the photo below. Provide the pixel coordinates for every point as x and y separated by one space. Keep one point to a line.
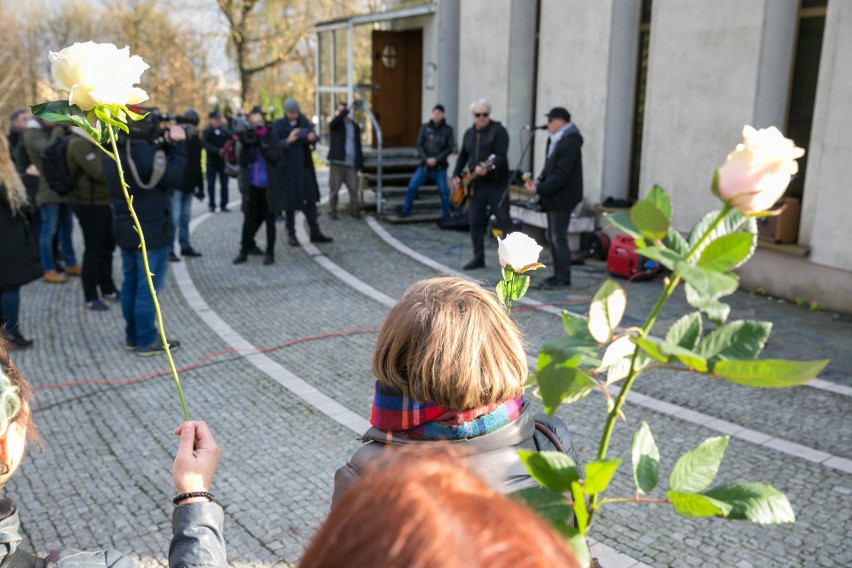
10 304
56 216
136 303
212 171
181 210
421 175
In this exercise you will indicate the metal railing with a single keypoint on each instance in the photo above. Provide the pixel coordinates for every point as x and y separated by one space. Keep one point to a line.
378 130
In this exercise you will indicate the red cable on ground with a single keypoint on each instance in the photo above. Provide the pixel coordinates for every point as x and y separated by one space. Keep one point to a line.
207 357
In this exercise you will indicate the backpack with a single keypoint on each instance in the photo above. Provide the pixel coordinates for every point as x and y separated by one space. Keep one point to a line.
54 166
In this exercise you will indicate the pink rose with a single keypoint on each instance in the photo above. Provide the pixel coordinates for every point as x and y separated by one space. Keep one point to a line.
758 171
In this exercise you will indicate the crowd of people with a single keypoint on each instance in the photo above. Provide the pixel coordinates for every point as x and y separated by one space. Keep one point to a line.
429 485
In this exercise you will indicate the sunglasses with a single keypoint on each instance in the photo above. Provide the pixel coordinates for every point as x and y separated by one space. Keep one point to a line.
481 114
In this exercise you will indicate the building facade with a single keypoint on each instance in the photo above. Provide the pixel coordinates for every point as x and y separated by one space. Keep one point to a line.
660 90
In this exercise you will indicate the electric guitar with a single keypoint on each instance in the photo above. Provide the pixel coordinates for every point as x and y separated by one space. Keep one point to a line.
468 178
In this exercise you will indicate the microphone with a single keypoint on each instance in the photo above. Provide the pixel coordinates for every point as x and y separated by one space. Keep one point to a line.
533 127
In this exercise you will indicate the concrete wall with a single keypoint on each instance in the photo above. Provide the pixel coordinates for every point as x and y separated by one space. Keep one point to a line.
827 203
705 83
587 63
496 53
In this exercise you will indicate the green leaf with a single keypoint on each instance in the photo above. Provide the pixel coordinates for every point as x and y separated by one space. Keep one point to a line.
620 369
685 356
714 184
550 505
598 475
617 350
741 339
652 348
606 311
755 502
676 243
695 470
579 546
558 383
691 505
666 257
733 222
132 115
567 351
519 286
685 332
532 380
709 284
553 470
660 199
769 372
580 511
646 460
622 222
59 112
649 220
728 252
577 327
500 290
717 312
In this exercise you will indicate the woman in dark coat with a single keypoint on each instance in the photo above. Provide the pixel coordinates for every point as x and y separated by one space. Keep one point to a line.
260 181
19 263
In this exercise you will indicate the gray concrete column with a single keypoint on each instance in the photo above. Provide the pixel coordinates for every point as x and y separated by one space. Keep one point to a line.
448 59
521 76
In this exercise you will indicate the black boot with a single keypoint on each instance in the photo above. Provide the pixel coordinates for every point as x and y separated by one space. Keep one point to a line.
19 341
268 258
320 238
241 258
293 241
477 262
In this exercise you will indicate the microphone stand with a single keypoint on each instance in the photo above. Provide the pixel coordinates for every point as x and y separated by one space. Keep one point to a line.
524 151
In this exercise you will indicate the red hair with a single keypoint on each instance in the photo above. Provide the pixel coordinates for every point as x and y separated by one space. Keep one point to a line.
427 512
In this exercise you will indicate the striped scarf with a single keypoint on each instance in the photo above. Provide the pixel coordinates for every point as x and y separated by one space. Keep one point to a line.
395 411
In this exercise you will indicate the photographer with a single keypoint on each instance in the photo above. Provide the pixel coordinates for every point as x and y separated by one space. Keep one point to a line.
301 191
192 183
259 154
155 161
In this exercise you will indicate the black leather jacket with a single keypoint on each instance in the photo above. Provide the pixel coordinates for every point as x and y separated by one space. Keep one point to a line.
435 141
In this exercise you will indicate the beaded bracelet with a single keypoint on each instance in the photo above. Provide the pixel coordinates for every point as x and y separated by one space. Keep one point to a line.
185 496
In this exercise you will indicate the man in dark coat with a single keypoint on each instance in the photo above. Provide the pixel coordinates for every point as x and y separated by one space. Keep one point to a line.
214 138
484 139
260 156
191 184
345 159
560 190
301 191
157 172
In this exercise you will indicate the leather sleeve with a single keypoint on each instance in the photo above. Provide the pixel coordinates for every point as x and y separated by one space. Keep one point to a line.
448 146
344 478
198 536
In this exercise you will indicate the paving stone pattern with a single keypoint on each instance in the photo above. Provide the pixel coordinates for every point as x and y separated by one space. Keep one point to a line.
103 479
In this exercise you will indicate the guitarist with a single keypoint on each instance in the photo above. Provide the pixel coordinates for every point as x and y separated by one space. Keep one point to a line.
485 138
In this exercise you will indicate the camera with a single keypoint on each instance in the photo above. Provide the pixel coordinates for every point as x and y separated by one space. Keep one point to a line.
249 137
151 128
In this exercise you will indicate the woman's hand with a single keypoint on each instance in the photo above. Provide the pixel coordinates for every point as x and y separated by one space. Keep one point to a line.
196 459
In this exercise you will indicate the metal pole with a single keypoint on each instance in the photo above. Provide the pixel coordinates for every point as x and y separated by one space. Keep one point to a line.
378 130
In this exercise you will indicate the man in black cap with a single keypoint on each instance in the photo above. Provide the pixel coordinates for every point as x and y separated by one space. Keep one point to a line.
434 143
191 184
560 190
214 138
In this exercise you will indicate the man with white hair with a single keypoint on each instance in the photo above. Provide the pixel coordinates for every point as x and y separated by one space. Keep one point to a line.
483 152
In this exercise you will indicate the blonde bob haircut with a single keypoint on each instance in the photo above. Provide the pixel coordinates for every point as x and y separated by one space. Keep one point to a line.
450 342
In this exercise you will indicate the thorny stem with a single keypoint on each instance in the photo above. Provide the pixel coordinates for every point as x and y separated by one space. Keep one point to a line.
646 329
138 226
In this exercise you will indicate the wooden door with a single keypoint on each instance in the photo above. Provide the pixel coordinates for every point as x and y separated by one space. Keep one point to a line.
397 72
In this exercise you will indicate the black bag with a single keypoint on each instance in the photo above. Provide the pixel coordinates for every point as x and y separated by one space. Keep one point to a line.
54 166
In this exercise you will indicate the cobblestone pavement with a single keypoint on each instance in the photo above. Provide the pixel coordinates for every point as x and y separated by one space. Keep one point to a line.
103 478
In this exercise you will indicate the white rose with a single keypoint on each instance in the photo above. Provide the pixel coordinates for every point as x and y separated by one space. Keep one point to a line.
758 171
518 252
98 73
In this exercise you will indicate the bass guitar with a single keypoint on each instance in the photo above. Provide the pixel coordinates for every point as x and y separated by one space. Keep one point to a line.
468 178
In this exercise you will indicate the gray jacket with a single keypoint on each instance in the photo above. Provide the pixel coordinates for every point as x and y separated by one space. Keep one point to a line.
197 541
493 457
